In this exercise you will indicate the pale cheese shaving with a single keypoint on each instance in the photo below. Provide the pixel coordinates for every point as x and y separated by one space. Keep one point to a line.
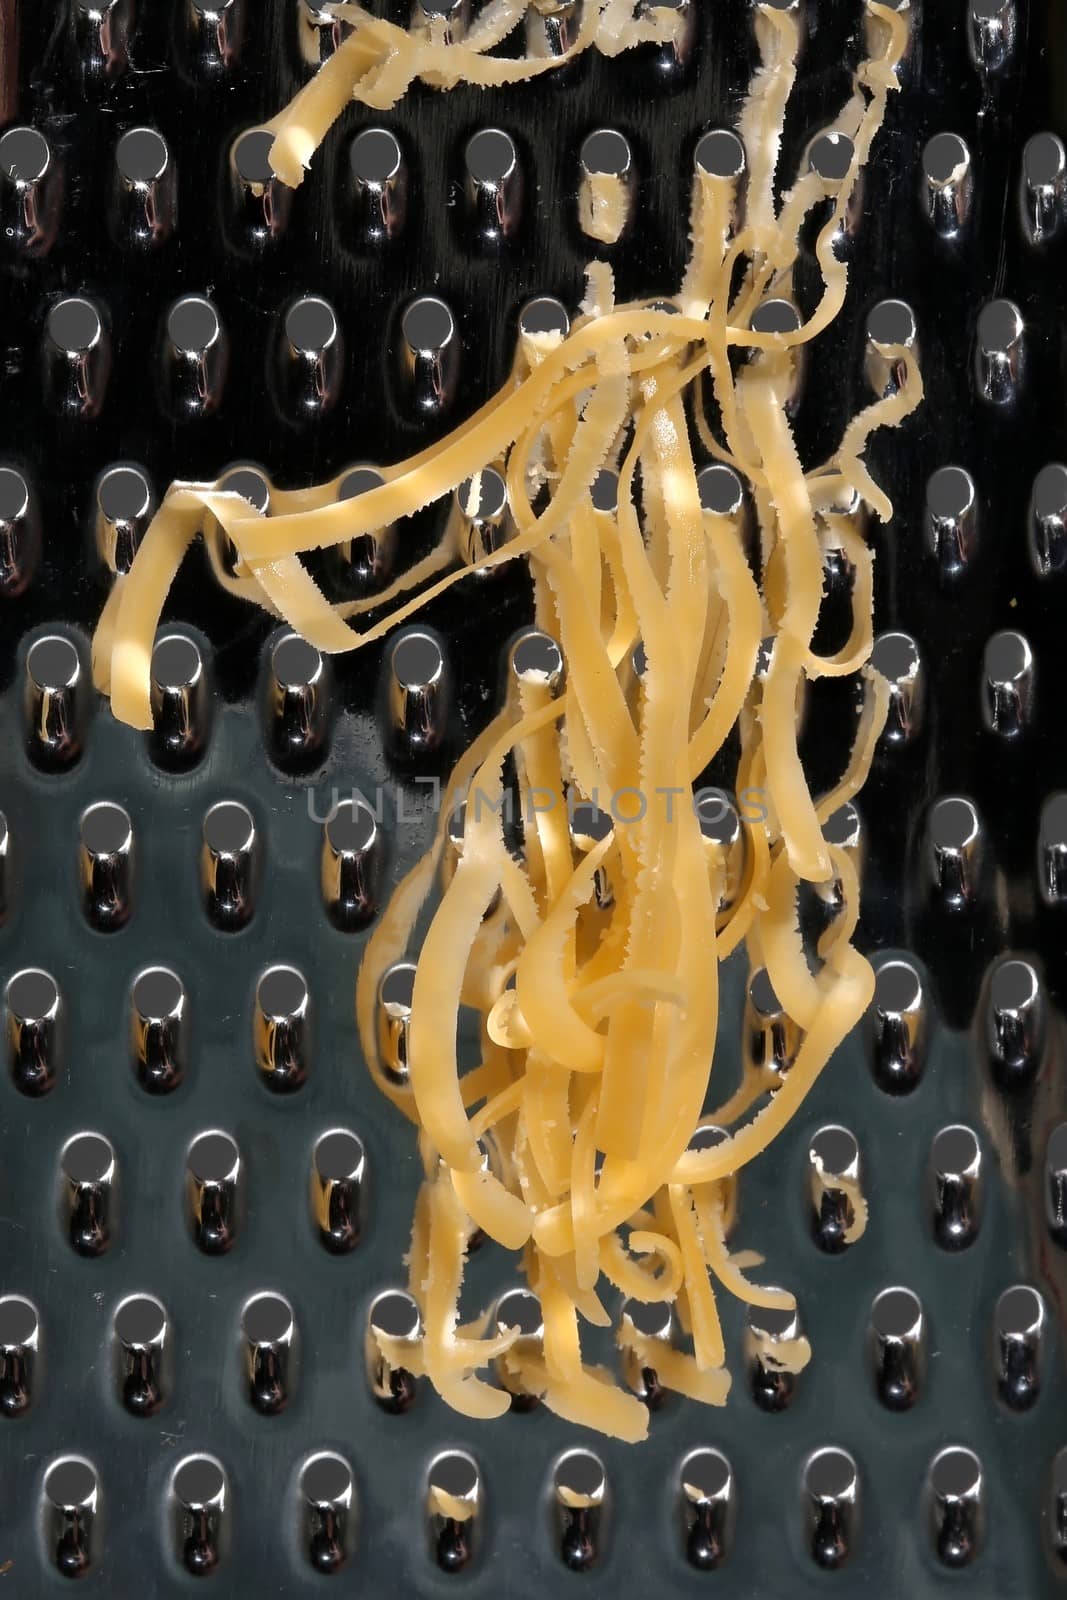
595 1065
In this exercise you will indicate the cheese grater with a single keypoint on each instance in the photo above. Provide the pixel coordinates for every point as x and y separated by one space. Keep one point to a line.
204 1196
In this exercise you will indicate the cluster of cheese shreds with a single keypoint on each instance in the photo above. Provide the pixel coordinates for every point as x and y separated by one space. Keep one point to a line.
599 1023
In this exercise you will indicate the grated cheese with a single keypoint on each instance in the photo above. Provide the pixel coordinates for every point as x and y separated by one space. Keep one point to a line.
595 1066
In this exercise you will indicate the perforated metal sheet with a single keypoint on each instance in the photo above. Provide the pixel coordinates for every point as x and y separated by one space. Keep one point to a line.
76 1404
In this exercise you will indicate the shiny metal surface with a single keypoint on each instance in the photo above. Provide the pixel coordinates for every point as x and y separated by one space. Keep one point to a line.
219 1192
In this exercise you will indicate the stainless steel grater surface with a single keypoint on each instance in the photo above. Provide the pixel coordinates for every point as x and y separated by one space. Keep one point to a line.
182 1373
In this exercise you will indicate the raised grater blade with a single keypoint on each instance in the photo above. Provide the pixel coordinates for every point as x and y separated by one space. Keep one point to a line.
163 1392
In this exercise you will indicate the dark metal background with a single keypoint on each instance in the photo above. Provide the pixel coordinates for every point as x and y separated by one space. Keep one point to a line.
895 253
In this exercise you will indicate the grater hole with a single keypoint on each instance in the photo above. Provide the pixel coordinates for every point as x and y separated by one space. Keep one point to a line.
123 494
361 480
311 326
707 1492
395 1314
199 1482
251 484
956 1150
158 994
229 829
490 156
282 994
830 156
375 156
141 155
706 1475
268 1320
106 829
956 1171
327 1480
193 325
950 493
417 661
14 495
339 1156
944 156
104 864
483 496
605 492
453 1491
771 1037
897 1314
1016 1022
956 1473
775 316
1008 657
953 823
74 325
88 1159
1000 326
589 824
537 658
606 153
762 995
1014 986
140 1321
176 662
707 1136
836 1150
898 987
580 1475
32 995
213 1158
720 490
52 663
998 359
654 1319
71 1482
455 1473
1057 1148
1050 491
891 322
544 314
1020 1313
18 1322
295 663
1044 159
520 1308
327 1486
717 817
776 1322
843 827
351 828
831 1481
831 1475
720 154
428 325
251 156
24 155
397 987
1053 849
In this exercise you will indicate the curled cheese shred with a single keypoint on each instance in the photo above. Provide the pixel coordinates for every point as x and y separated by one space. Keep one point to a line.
594 975
378 62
